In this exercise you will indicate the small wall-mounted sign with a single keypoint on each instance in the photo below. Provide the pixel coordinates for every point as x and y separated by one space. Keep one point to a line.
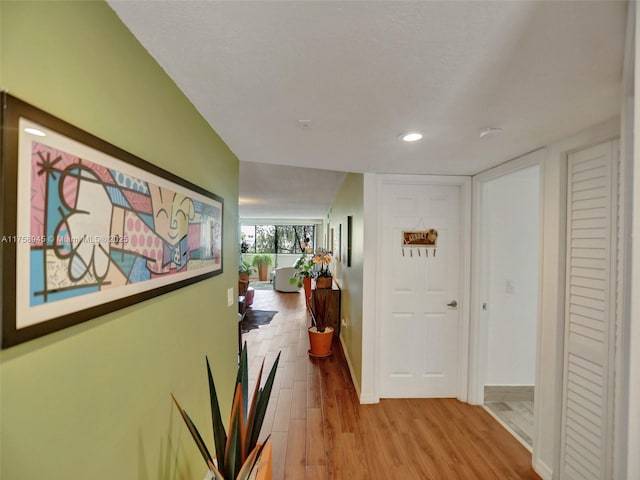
420 238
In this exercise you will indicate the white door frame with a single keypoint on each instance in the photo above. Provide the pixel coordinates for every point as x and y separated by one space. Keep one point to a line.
478 330
372 308
627 423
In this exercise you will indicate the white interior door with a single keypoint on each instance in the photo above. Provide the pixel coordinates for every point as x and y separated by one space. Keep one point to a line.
419 331
587 414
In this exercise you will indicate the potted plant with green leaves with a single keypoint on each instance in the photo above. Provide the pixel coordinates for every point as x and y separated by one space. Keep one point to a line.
304 273
262 261
245 270
238 454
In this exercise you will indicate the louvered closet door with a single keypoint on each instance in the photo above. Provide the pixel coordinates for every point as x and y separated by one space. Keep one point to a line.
587 421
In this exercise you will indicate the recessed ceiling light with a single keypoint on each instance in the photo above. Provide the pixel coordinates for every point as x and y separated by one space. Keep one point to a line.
35 131
412 136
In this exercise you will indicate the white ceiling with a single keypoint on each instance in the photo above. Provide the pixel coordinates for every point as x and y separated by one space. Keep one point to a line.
363 72
277 191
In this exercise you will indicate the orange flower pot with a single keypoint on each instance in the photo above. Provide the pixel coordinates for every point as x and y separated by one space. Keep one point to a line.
320 342
263 272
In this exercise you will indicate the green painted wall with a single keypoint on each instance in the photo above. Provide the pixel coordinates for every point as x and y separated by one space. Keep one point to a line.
349 201
92 401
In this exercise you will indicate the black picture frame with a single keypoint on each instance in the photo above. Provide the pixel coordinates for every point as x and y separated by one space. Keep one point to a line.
349 238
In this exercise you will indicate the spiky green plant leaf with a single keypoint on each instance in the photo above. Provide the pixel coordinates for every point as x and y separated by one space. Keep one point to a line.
233 455
252 410
195 434
261 406
216 474
243 377
219 433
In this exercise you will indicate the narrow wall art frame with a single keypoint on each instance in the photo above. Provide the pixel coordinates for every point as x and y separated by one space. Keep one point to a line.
349 238
88 228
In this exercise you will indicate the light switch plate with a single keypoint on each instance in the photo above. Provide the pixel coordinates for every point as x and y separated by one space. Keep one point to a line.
229 297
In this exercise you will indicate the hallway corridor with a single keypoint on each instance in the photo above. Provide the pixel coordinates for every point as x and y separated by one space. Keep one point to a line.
319 430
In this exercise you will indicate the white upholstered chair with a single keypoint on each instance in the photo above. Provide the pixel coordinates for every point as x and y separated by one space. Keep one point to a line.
281 280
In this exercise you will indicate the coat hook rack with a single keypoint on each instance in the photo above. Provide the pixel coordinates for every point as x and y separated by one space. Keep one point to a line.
427 238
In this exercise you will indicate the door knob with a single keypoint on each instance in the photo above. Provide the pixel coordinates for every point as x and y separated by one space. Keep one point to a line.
453 304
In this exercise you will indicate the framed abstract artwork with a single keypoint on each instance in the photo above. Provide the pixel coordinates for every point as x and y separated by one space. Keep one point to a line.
88 228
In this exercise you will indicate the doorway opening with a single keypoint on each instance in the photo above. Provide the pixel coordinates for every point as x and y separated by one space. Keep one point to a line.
508 250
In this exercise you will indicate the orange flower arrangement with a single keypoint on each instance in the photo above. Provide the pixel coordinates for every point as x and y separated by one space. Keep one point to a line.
323 258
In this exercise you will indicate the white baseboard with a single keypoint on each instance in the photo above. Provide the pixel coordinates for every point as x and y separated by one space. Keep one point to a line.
364 397
354 380
368 398
542 469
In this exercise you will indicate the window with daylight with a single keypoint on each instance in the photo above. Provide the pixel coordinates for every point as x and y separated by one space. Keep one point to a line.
276 238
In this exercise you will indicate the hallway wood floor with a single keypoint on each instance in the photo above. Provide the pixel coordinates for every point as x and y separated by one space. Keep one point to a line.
319 430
